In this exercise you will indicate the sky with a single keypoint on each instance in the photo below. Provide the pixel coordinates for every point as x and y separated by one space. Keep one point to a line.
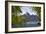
28 9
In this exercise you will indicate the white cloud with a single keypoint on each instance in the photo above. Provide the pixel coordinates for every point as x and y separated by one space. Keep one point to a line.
28 9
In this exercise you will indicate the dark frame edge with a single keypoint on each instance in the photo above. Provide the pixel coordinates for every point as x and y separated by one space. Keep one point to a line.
6 17
44 16
26 2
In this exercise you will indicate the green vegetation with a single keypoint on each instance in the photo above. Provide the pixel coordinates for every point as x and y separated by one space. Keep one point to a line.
38 10
16 9
17 20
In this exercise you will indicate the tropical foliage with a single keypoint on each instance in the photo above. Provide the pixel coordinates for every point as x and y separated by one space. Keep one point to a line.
38 10
17 20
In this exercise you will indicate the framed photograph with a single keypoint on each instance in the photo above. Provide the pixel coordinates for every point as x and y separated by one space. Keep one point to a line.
23 16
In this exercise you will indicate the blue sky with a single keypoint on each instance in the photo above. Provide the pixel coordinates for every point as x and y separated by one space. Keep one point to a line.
28 9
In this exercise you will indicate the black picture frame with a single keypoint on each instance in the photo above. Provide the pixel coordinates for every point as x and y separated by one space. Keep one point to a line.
6 16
